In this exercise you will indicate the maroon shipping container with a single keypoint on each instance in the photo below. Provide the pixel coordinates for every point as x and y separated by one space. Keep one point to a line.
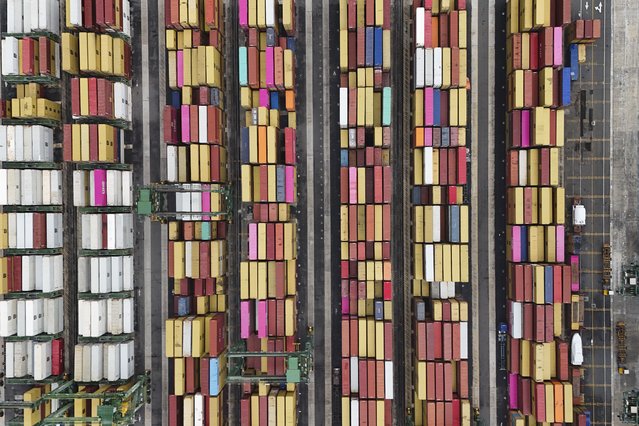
420 337
514 59
528 283
540 402
443 30
562 360
175 409
447 334
513 352
354 336
453 33
448 381
528 321
217 335
87 13
524 395
75 98
550 323
533 57
346 377
361 47
540 324
363 378
439 381
192 370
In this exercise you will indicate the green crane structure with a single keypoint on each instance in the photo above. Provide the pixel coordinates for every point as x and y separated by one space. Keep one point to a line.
118 406
630 280
630 412
158 200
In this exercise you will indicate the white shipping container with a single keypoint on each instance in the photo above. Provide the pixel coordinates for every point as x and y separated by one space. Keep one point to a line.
29 14
388 380
186 336
114 314
86 363
451 289
428 67
112 362
127 188
78 363
419 26
198 411
84 316
115 229
54 230
202 124
10 64
437 67
105 275
127 360
54 315
14 16
80 188
128 315
171 163
354 369
8 317
419 67
463 340
21 359
343 107
127 273
126 17
41 360
97 362
49 16
116 273
28 273
437 224
3 138
523 167
74 12
52 280
354 411
429 260
270 13
516 320
33 317
19 143
9 359
427 155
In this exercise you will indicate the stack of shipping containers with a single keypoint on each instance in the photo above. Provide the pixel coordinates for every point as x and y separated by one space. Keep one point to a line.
268 280
440 214
194 123
365 212
96 56
539 276
31 265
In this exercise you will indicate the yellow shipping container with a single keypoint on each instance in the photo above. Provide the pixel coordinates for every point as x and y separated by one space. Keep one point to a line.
524 365
525 15
446 70
512 16
517 88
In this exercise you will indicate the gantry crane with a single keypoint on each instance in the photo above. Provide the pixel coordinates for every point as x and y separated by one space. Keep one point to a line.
118 403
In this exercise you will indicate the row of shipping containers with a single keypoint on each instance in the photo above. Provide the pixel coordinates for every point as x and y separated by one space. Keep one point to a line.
194 139
32 309
366 179
543 276
268 189
440 214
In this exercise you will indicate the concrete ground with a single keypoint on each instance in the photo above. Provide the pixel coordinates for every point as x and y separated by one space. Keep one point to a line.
624 189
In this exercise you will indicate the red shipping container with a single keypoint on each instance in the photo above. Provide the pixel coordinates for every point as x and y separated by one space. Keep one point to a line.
540 402
354 335
346 377
439 381
363 378
431 393
345 339
420 336
370 13
352 14
194 122
533 57
388 341
443 30
371 377
456 341
562 360
361 47
57 357
44 52
109 14
524 395
461 165
93 143
447 332
528 283
550 323
28 56
192 374
87 12
448 381
75 98
540 324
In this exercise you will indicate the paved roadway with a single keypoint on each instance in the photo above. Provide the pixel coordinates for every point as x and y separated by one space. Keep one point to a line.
624 92
587 174
488 204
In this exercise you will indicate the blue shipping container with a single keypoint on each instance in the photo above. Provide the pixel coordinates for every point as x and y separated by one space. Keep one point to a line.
523 239
386 106
281 184
574 62
378 47
565 87
343 162
548 284
379 310
370 39
275 100
243 66
176 101
445 136
453 223
436 107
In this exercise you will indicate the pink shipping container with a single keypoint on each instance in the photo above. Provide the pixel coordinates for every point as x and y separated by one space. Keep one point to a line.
560 239
180 68
252 240
245 319
243 12
290 184
206 203
185 113
262 319
270 69
558 46
265 99
515 245
428 136
428 106
99 188
512 391
352 185
525 128
345 298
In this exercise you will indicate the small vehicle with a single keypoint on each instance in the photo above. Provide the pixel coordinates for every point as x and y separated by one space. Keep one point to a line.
578 215
576 350
502 332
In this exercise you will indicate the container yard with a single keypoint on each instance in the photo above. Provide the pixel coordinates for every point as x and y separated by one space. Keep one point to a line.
201 200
